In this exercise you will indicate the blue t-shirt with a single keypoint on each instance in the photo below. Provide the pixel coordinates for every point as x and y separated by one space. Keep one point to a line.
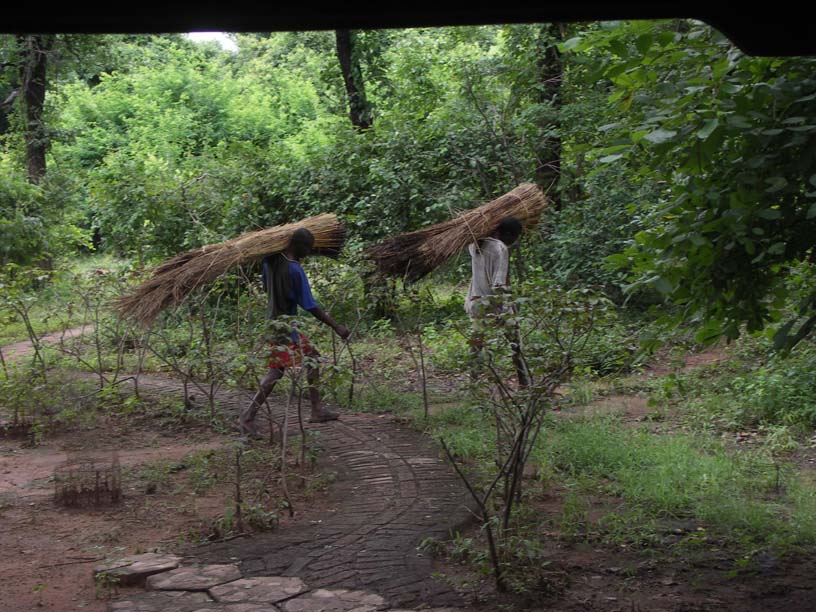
300 293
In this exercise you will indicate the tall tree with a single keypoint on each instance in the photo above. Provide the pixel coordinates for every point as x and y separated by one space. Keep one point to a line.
349 56
550 68
34 50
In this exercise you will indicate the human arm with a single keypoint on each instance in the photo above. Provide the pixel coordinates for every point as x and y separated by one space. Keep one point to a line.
304 298
324 317
498 267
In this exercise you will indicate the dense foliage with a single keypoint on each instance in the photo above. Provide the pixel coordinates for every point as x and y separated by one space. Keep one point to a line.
685 163
731 139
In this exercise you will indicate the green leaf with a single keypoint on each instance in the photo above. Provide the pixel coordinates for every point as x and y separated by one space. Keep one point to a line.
660 135
614 149
708 128
782 336
665 38
638 135
608 159
644 43
663 285
770 213
571 44
709 332
618 260
619 48
739 121
777 183
811 211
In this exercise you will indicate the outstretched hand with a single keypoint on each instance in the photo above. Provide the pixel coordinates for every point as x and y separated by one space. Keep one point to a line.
342 331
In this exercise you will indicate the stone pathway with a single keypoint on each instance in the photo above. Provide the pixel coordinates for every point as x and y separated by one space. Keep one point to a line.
196 588
392 490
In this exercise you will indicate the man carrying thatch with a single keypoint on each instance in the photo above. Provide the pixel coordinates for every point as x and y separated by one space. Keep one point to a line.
490 264
287 288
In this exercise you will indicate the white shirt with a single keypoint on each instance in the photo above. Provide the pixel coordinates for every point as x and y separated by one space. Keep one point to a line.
490 260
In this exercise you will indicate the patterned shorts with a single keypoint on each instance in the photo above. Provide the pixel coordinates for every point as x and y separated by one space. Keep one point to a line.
292 355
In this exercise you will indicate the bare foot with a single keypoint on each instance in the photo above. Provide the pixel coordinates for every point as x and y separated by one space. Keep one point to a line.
323 415
246 430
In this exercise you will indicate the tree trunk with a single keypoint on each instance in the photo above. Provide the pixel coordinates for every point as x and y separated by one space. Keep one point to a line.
359 108
34 50
550 71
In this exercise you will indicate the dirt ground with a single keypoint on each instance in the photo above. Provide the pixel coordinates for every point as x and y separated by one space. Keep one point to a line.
688 571
48 552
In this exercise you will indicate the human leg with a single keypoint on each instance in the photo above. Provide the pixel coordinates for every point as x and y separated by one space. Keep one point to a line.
519 362
476 345
319 412
247 418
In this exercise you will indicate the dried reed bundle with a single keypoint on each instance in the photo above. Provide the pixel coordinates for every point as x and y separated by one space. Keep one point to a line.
174 279
415 254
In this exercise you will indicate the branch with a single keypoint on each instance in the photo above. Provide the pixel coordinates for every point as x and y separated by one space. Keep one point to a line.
11 97
473 493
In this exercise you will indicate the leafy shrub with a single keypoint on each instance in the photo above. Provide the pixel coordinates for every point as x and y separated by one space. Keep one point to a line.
449 348
780 393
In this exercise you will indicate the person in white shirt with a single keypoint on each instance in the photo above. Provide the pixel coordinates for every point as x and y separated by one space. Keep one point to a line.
490 264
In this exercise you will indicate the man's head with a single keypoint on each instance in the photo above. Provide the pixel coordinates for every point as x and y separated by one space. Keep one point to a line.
302 243
508 230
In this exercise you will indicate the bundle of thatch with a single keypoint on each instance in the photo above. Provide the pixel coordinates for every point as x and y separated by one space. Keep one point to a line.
177 277
413 255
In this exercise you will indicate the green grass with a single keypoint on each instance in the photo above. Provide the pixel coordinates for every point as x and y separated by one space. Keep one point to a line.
384 399
60 400
155 474
654 480
685 476
466 432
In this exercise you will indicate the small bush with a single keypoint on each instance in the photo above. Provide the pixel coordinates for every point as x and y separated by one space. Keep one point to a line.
780 393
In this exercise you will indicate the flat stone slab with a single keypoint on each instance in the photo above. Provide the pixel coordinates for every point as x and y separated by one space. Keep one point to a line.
335 600
193 578
133 571
242 607
263 589
165 601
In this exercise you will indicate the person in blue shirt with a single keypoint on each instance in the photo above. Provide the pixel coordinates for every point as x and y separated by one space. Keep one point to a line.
287 288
